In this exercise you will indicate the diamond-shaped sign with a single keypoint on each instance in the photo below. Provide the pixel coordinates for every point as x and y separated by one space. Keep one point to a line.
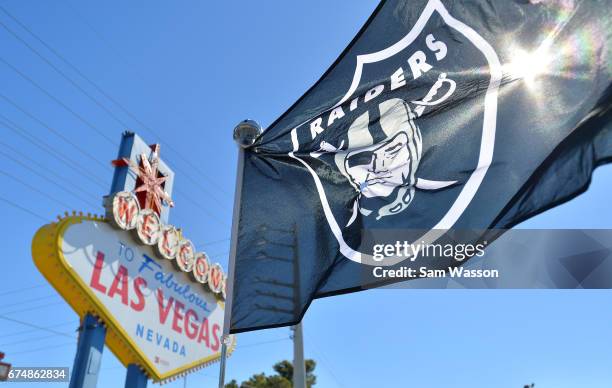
157 317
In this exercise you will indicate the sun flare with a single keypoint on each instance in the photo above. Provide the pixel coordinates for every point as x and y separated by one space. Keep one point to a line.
528 66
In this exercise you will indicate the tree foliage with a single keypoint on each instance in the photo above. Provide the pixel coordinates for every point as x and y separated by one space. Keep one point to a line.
282 379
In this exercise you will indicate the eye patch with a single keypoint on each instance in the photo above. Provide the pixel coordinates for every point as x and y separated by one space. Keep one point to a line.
360 159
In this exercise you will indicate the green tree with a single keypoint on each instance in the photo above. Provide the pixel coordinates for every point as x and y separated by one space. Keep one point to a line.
285 369
262 381
283 378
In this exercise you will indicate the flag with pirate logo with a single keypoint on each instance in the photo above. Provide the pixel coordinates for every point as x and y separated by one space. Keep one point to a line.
439 115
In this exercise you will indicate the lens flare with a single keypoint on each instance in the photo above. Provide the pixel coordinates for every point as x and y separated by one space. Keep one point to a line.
528 65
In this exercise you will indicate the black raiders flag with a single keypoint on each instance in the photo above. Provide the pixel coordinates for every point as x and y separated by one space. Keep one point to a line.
439 115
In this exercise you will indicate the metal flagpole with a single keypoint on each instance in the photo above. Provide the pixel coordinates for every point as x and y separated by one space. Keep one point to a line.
244 135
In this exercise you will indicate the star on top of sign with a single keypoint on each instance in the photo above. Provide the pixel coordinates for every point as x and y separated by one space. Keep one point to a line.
150 182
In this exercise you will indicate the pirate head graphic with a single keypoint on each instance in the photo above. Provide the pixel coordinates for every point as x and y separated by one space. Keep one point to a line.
379 138
388 168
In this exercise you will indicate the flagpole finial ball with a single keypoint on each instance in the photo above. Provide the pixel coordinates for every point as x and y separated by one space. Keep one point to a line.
246 132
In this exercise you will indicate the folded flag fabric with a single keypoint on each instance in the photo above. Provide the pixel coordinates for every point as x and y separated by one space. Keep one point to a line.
439 115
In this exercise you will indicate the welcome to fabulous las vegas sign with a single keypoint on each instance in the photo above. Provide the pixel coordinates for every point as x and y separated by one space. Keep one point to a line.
160 299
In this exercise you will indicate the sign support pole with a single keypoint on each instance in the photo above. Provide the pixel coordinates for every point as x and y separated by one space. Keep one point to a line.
89 353
299 368
135 378
245 135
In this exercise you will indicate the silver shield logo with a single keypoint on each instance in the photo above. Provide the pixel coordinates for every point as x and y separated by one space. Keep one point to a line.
384 165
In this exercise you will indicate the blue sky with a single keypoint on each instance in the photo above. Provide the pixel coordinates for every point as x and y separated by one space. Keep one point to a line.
189 71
